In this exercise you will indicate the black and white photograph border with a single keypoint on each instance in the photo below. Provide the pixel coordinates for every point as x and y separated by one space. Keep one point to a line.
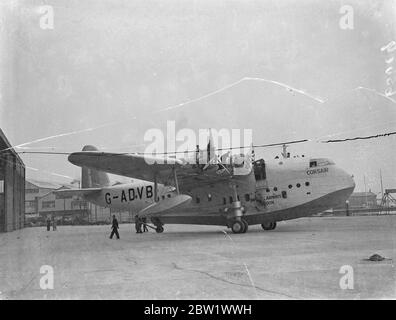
197 150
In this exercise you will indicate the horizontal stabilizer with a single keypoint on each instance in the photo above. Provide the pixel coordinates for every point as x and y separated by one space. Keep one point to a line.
67 193
166 204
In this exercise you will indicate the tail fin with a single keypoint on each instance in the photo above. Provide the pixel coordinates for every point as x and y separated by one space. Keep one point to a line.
91 178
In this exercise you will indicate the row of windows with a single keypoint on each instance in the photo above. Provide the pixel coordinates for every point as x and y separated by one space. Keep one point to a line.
247 196
78 204
231 198
32 190
298 185
48 204
30 203
63 196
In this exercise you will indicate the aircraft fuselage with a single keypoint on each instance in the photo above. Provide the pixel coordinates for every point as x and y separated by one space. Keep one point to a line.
135 196
286 189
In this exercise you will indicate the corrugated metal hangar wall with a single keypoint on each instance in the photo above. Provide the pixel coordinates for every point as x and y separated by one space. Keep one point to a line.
12 188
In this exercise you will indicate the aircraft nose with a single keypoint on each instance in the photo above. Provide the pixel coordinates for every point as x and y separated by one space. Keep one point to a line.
347 180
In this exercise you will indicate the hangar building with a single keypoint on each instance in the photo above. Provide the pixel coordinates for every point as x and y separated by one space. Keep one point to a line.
12 188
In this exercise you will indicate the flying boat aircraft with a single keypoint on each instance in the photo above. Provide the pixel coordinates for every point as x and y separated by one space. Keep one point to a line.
232 190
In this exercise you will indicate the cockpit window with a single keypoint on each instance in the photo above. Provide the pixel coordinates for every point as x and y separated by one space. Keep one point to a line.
312 164
320 162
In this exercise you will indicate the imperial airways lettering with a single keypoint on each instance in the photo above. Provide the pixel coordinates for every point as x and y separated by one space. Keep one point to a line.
276 196
316 171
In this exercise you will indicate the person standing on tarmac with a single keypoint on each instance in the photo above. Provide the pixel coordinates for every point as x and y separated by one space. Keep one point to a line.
114 228
347 208
53 224
138 224
48 224
144 222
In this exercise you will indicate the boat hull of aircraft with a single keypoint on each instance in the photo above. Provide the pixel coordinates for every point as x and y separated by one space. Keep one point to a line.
310 208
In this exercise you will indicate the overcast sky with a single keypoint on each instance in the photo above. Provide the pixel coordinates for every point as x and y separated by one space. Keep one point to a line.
119 61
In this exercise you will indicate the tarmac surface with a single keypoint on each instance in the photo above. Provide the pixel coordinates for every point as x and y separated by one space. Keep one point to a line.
300 259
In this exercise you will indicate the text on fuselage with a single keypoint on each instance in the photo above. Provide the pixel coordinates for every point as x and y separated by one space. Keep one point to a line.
131 194
319 170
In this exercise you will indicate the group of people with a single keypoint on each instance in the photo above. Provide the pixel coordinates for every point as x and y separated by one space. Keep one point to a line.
49 222
139 223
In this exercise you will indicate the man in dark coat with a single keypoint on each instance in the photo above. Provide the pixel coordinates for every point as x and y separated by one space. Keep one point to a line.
138 224
48 224
53 224
144 222
114 228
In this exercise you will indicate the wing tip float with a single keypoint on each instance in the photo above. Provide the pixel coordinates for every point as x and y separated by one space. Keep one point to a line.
165 205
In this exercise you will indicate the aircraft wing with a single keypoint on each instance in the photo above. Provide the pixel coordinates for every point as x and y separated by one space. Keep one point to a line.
145 168
67 193
129 165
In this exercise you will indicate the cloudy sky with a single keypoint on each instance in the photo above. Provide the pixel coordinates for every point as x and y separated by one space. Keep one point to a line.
114 66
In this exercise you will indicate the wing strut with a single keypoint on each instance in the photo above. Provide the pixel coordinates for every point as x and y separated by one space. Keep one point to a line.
176 181
155 188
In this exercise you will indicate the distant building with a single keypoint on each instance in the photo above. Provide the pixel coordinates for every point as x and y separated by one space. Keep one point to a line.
41 201
34 190
359 200
363 200
51 204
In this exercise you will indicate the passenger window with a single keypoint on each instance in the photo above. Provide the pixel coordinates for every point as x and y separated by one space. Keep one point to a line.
307 183
247 197
169 195
298 185
284 194
163 197
198 200
224 201
231 200
290 186
275 189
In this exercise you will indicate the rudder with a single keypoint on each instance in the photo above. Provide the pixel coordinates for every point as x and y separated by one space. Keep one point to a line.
91 178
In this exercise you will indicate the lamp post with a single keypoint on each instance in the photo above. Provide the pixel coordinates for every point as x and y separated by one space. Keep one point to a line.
347 208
